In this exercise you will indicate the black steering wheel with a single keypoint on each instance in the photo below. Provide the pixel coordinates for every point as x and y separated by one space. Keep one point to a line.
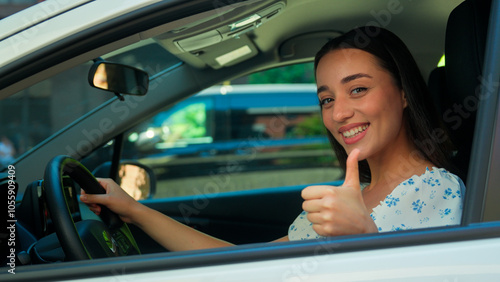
86 239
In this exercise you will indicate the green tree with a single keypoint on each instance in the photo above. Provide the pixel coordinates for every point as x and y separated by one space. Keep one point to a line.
299 73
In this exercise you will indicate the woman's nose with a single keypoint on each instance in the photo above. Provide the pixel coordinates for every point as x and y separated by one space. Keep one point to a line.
342 110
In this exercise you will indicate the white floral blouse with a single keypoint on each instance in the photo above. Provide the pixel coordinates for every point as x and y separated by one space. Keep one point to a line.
431 199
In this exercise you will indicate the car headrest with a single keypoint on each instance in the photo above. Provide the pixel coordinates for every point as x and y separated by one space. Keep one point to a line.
464 46
464 52
437 86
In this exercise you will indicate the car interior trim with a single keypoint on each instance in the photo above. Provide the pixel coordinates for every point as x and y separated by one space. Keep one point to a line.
485 174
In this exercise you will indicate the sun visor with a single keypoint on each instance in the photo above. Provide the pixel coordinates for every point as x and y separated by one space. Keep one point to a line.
221 39
231 30
230 53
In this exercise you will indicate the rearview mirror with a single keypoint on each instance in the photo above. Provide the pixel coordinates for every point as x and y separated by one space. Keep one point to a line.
135 178
118 78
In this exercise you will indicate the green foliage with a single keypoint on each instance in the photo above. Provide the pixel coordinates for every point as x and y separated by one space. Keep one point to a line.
310 126
300 73
190 122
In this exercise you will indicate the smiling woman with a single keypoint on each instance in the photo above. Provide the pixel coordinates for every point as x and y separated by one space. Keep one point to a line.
373 105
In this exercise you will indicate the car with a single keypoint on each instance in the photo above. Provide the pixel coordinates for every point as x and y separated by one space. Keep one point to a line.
60 121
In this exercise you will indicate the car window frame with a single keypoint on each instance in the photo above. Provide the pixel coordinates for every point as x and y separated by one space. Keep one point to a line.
260 252
483 178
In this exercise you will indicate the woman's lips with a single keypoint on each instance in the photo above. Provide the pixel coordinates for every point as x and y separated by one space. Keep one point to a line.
353 133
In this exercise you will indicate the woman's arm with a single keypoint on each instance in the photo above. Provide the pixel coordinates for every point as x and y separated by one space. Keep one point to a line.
282 239
172 234
168 232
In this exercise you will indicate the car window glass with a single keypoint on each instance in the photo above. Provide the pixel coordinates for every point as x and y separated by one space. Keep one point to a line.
45 108
99 156
187 123
247 135
275 116
146 55
173 142
35 113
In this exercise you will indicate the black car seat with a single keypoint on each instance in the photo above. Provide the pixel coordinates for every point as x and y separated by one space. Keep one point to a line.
455 86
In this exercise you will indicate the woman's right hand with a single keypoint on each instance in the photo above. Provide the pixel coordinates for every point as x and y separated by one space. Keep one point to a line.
116 199
339 210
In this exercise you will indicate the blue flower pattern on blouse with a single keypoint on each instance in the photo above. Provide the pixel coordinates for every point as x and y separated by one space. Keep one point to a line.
431 199
417 205
391 201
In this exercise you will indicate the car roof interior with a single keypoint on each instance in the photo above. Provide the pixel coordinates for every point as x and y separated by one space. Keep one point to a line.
248 30
249 36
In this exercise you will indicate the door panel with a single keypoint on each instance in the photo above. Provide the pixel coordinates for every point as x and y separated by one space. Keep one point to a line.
260 215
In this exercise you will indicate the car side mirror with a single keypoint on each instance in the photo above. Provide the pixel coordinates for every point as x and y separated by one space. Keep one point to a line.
135 178
118 78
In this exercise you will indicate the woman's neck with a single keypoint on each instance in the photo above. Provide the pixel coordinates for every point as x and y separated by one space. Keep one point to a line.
397 164
389 171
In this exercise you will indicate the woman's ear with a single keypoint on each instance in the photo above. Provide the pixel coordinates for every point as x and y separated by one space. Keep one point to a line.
403 96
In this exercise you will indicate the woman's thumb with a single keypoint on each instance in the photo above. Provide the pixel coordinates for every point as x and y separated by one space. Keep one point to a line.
352 171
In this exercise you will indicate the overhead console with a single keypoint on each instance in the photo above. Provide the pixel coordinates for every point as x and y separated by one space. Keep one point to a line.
221 38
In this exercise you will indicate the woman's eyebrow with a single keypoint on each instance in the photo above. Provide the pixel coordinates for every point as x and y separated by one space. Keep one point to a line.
321 89
353 77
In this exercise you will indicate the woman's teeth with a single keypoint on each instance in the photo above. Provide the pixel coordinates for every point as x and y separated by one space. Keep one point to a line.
354 131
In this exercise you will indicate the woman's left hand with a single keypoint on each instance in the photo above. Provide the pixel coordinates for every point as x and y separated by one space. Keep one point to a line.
339 210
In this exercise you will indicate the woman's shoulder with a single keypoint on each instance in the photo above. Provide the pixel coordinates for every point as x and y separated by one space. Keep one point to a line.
434 187
435 178
433 198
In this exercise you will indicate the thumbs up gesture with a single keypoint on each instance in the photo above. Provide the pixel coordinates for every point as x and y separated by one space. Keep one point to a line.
339 210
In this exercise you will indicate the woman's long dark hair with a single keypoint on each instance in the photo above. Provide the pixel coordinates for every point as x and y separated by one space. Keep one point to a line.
424 127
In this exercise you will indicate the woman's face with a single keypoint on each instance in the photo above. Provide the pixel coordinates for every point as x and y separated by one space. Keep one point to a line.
362 106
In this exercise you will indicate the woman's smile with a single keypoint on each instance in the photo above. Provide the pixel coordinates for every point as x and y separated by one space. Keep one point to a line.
354 132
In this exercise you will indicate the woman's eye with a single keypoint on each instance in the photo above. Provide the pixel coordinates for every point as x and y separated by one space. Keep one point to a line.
358 90
326 101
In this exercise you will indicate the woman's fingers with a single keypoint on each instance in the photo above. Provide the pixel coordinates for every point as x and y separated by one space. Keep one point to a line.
316 192
311 206
93 201
95 208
